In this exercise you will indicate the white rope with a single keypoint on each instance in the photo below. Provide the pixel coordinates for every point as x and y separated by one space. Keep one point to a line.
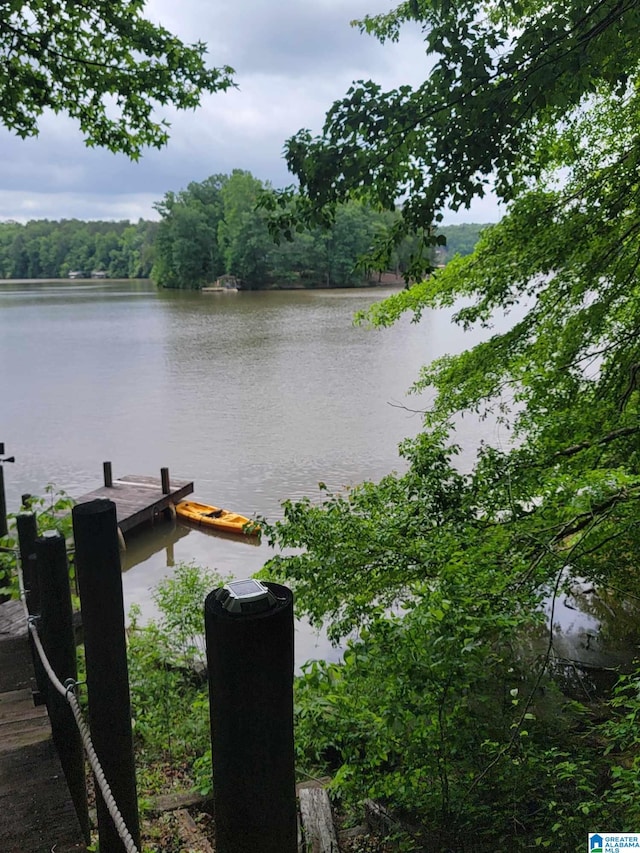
68 691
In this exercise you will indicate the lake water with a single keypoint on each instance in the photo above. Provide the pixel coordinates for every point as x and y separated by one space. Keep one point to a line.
256 397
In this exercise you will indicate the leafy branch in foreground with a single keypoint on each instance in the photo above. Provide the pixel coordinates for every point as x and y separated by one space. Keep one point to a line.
508 84
101 63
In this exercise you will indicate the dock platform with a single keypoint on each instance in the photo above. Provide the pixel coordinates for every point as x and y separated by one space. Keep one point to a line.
36 811
139 498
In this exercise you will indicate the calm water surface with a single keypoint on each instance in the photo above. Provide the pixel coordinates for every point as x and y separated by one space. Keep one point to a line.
255 396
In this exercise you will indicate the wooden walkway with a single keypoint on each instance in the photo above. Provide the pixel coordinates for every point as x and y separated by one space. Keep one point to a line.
139 498
36 813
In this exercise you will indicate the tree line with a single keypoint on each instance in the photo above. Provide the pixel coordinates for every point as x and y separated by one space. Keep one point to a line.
219 226
209 229
53 249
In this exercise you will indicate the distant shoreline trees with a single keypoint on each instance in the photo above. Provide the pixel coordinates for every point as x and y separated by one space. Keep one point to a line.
209 229
53 249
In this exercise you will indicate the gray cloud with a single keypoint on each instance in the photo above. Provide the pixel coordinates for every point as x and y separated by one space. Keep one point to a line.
287 37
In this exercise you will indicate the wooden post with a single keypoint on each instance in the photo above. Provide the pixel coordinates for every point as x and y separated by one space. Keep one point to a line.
250 664
99 576
108 476
58 640
3 501
4 581
27 534
3 506
25 501
166 484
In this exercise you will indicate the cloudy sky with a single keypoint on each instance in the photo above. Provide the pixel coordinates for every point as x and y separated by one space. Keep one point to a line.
292 58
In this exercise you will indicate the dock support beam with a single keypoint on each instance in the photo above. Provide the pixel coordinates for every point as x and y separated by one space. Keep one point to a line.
27 535
3 501
58 640
108 476
166 483
99 575
3 506
250 662
27 527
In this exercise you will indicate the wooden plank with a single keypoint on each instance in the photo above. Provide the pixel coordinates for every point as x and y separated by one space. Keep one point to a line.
12 619
317 821
36 814
18 705
16 667
22 733
181 800
139 498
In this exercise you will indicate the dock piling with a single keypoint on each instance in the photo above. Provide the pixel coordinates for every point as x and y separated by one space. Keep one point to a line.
100 582
250 664
3 501
108 475
166 483
27 527
3 506
27 535
58 640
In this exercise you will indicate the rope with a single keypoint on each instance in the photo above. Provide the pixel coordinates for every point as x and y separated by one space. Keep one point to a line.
68 691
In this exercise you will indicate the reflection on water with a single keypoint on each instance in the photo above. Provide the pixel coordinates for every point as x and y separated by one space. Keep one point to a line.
594 637
147 541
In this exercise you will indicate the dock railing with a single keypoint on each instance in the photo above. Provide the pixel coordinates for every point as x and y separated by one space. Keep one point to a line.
108 740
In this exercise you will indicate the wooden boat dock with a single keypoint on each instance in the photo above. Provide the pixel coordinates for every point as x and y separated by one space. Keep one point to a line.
139 498
36 811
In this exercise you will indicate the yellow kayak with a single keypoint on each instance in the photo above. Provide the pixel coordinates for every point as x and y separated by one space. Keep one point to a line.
214 517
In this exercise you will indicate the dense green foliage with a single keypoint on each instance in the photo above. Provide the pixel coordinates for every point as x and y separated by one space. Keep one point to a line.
214 227
504 77
199 239
103 64
166 660
440 708
50 249
53 512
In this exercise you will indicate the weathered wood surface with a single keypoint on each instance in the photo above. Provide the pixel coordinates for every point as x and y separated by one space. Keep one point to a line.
36 813
21 722
16 672
139 498
12 622
319 835
181 800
